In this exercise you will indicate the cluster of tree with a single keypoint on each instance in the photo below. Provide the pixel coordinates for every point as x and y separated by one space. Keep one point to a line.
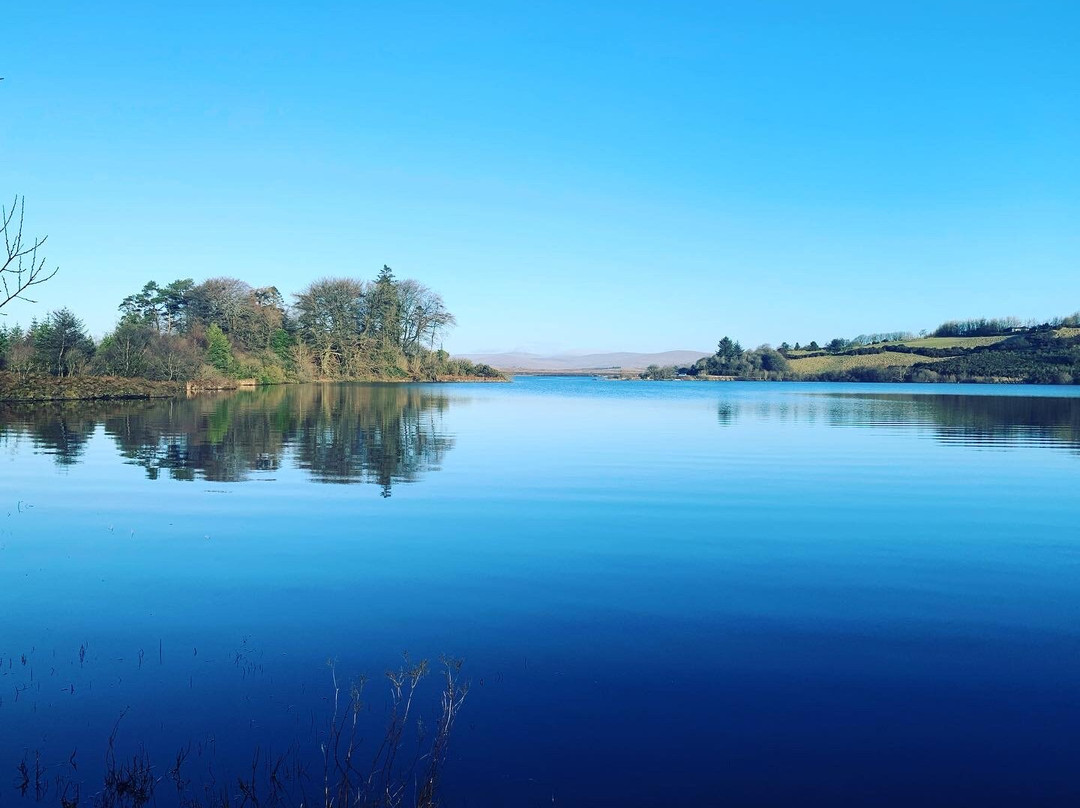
58 345
1070 321
732 360
336 328
981 327
840 344
658 373
349 328
886 336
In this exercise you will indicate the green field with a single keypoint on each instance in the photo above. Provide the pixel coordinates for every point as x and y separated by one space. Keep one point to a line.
950 342
935 342
826 364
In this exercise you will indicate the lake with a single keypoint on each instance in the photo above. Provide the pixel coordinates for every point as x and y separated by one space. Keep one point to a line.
663 593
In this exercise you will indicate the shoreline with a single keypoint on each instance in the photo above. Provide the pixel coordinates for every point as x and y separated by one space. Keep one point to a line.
626 377
41 388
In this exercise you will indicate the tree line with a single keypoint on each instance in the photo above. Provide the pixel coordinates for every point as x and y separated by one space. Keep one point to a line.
731 360
225 328
1038 353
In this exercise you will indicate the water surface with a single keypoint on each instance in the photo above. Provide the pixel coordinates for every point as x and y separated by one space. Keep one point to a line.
765 594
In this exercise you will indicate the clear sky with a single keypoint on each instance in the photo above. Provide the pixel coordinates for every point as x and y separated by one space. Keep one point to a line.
569 175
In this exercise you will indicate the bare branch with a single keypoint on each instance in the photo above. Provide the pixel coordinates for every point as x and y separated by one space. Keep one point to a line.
21 266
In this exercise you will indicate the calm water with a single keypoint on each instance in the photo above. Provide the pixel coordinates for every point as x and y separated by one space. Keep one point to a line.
665 593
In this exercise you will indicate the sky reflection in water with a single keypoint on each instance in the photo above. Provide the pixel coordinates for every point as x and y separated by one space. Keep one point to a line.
670 592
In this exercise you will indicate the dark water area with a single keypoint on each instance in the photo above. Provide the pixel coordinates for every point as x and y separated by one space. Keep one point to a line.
663 593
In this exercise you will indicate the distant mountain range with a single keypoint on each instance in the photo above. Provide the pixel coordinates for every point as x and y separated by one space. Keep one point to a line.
624 360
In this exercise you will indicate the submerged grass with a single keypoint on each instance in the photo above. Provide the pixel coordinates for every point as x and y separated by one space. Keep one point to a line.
404 768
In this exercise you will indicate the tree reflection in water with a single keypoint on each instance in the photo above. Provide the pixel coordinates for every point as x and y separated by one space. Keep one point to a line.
340 433
991 421
381 434
387 434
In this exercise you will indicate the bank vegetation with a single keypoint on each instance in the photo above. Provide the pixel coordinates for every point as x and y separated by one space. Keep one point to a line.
980 350
224 332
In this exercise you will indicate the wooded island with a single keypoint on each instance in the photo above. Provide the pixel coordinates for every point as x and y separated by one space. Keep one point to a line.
224 332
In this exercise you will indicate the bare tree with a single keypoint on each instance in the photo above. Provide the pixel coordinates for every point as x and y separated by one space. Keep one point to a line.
423 316
23 267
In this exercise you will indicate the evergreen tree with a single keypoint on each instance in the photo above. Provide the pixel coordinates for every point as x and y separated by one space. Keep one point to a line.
218 349
61 345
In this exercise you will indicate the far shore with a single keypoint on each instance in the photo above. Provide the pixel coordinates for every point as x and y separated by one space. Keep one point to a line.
635 375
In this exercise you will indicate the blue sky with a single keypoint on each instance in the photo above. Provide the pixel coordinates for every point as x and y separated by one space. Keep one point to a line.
590 176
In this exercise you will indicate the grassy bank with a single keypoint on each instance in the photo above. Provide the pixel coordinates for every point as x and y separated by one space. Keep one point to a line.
40 387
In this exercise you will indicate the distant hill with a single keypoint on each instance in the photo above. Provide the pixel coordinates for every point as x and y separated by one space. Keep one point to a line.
584 362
